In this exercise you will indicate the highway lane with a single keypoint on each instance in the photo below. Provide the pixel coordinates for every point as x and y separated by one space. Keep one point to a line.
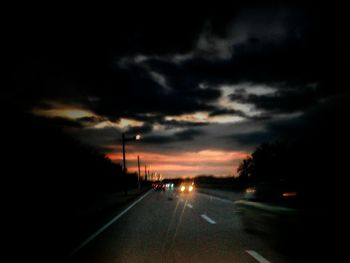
171 227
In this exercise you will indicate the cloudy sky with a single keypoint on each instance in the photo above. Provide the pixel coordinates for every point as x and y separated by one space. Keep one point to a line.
202 85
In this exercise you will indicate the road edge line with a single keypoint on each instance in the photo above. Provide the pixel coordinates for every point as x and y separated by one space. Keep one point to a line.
103 228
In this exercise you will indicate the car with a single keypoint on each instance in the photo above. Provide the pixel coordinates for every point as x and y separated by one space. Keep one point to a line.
186 187
159 186
169 185
272 210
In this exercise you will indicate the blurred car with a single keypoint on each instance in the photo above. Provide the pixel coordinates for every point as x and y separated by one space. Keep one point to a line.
159 186
186 187
271 209
169 185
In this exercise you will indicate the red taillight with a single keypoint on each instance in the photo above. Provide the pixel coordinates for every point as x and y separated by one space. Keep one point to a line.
289 194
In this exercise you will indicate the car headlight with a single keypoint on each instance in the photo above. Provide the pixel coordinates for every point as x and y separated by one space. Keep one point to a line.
182 188
190 188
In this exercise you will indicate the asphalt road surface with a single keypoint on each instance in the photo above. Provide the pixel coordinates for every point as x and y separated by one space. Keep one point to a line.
171 227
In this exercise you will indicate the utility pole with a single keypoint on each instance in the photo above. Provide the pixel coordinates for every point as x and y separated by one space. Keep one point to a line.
123 143
146 173
124 166
139 175
124 139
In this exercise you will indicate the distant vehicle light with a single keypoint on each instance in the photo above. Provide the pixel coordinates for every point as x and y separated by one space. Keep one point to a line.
250 190
289 194
190 188
183 188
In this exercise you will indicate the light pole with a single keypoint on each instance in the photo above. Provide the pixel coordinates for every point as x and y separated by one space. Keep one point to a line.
139 174
124 139
146 179
123 143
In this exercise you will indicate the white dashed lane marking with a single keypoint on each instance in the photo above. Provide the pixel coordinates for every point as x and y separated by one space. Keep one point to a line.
257 256
208 219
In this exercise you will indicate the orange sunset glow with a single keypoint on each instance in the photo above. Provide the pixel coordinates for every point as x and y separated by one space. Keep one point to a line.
220 163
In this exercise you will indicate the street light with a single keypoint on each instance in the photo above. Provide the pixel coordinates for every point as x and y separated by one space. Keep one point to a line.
125 139
139 174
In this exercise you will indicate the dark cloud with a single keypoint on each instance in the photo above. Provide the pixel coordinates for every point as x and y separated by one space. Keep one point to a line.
191 54
98 138
86 66
252 139
219 112
169 124
284 100
144 129
63 122
322 125
158 139
186 135
223 111
294 50
132 93
89 120
252 61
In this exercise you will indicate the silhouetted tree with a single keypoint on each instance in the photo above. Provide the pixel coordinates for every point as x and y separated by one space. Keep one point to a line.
245 168
270 162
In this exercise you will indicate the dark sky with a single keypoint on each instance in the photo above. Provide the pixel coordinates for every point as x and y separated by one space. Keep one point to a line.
204 84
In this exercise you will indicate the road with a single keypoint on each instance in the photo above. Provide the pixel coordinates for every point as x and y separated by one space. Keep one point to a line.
171 227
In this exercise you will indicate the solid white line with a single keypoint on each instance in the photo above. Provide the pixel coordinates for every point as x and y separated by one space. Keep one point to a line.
88 240
189 205
257 256
208 219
